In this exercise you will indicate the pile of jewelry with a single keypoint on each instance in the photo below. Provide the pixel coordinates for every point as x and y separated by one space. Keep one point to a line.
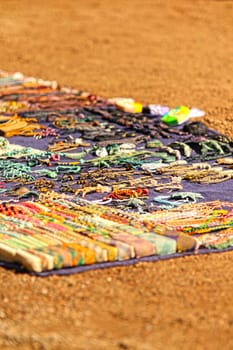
130 171
58 231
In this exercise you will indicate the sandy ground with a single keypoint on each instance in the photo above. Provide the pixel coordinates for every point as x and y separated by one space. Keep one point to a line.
172 52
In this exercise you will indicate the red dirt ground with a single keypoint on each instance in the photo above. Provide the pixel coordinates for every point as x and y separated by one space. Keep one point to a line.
172 52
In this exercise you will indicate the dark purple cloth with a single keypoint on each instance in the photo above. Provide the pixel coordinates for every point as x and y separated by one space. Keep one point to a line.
72 270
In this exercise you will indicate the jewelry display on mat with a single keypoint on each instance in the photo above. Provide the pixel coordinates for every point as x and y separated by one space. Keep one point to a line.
56 232
87 180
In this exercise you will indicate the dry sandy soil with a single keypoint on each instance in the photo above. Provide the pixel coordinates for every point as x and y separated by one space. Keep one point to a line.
174 52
